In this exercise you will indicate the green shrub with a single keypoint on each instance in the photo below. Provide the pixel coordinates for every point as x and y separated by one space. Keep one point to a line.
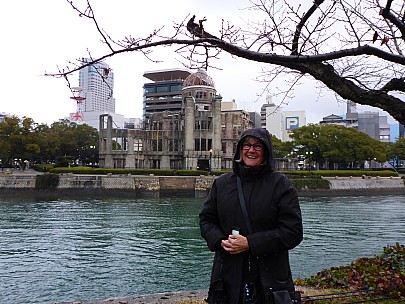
191 172
354 173
401 170
63 161
382 274
47 181
300 174
310 183
43 167
157 172
104 171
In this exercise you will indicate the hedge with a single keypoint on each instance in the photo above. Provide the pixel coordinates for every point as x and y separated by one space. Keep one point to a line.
310 183
299 174
47 181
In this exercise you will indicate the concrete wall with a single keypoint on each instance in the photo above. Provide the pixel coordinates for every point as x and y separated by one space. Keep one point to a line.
340 183
157 186
140 186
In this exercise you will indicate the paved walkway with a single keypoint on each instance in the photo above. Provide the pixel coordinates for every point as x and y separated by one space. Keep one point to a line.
17 171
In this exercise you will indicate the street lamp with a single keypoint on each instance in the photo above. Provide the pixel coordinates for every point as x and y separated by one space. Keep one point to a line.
309 153
210 168
92 155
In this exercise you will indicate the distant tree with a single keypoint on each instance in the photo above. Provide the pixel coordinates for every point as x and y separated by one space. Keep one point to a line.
71 139
18 142
24 140
281 149
354 48
337 144
396 151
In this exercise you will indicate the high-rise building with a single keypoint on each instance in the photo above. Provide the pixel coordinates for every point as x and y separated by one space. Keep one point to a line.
164 93
96 83
94 96
271 118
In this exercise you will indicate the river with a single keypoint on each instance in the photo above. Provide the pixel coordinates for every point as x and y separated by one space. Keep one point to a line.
72 249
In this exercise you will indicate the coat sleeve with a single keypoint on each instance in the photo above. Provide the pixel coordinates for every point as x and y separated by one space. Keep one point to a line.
209 222
287 232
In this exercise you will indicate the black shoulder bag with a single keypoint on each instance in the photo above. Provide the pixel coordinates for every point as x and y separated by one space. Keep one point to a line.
249 295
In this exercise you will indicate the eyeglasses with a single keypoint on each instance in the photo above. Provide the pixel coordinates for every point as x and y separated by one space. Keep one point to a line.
257 147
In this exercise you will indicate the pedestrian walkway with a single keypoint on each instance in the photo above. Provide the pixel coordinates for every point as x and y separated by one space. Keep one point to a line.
18 171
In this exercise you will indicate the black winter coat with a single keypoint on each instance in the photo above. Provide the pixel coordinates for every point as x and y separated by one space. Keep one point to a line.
275 215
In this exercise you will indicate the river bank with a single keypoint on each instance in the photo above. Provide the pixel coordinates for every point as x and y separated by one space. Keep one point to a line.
124 193
166 298
170 297
70 185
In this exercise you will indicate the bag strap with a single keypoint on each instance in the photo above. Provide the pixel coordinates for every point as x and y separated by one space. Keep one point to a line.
243 205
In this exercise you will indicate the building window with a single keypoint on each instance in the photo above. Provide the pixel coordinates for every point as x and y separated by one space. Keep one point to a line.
161 89
150 90
157 144
204 145
137 145
201 95
176 88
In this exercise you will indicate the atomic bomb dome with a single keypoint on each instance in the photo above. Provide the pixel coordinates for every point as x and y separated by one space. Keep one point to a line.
199 78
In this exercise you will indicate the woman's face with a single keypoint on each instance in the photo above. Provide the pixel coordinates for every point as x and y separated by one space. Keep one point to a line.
252 152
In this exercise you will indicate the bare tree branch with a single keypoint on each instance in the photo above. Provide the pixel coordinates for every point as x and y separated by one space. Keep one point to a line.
355 48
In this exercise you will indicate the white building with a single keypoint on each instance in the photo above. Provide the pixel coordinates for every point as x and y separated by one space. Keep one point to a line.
96 83
94 97
271 118
291 120
280 123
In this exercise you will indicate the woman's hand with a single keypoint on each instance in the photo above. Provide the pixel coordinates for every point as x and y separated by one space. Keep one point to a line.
235 244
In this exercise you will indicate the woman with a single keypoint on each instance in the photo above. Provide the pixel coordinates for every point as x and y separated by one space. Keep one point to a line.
259 258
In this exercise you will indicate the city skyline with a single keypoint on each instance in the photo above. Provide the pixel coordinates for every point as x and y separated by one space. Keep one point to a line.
50 40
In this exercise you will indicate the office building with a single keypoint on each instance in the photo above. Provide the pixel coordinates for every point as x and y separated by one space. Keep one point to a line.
368 122
280 123
164 93
94 97
271 118
96 85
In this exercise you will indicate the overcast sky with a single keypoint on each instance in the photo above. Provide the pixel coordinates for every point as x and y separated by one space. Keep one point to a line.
39 36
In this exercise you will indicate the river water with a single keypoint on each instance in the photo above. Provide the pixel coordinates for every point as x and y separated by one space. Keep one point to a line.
72 249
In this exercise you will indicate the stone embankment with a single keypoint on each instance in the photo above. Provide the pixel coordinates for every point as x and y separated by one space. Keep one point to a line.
122 185
185 186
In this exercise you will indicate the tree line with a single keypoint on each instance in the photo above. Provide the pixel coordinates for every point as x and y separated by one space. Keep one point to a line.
64 142
327 144
23 141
